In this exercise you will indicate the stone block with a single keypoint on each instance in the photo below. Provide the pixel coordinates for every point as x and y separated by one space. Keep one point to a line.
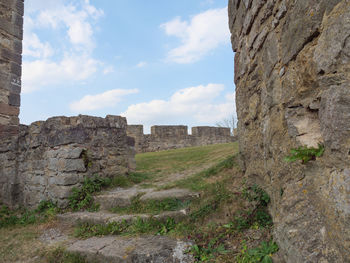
52 164
60 192
15 5
71 165
11 29
14 100
15 69
8 110
70 153
66 179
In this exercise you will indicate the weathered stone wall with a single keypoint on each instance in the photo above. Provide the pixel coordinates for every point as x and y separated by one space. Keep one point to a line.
172 137
53 156
292 67
11 33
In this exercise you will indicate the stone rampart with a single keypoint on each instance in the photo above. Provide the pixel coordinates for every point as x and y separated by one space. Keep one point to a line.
292 78
50 157
167 137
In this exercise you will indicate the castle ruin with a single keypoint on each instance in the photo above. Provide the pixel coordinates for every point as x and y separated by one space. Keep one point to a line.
292 78
173 137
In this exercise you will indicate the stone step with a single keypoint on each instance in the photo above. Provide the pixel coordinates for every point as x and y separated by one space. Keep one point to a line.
76 218
123 197
157 249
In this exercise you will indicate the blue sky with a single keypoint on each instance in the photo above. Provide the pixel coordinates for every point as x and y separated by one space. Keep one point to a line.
154 62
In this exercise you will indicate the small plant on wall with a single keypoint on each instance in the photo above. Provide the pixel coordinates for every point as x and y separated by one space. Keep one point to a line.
305 154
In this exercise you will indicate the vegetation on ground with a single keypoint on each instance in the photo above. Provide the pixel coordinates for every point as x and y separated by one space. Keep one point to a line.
139 226
158 164
258 254
212 240
152 206
228 223
305 154
23 217
82 197
60 255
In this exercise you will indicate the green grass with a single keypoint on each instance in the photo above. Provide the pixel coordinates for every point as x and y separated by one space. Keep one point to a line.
197 182
129 180
258 254
60 255
163 163
212 240
152 206
23 217
137 227
82 199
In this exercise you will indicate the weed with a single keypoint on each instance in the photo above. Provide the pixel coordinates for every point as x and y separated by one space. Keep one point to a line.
139 226
152 206
81 198
44 211
260 254
256 193
305 154
202 253
60 255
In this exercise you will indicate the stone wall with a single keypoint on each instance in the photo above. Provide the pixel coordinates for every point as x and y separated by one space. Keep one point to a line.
11 33
292 67
51 157
172 137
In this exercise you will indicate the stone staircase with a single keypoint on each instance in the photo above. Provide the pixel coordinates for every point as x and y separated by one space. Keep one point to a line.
157 249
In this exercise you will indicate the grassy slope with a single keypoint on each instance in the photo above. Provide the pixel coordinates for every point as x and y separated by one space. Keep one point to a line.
181 160
212 222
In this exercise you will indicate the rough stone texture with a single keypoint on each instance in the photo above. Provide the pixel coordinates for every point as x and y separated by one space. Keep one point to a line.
156 249
51 157
292 67
11 23
172 137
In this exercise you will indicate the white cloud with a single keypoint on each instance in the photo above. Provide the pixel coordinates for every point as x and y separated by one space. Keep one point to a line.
40 73
202 34
141 64
195 105
70 59
100 101
108 70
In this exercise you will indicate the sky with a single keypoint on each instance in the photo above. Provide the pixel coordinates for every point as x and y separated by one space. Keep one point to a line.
155 62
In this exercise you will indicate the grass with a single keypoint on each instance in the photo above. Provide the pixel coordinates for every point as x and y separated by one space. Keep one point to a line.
60 255
81 197
152 206
139 226
258 254
197 182
158 164
45 210
219 223
208 225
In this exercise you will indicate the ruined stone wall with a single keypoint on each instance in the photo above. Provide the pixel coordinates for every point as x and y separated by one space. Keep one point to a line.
11 33
56 155
172 137
45 160
292 72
